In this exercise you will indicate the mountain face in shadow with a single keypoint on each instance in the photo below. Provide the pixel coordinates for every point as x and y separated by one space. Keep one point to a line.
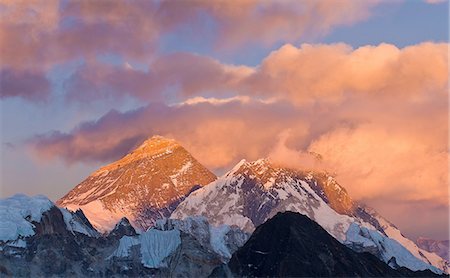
292 245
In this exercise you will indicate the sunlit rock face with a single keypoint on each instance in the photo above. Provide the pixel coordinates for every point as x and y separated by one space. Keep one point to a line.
145 185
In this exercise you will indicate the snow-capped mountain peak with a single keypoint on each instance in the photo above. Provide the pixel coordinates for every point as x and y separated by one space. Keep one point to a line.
145 185
253 192
154 147
269 174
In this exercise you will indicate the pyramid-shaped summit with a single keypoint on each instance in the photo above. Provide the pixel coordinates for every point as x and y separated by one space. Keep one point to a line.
145 185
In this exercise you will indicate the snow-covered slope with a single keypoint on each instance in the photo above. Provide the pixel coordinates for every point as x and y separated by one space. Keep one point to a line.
364 239
394 233
145 185
23 216
253 192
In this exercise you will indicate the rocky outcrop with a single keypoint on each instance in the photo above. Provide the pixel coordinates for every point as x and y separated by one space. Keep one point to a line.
52 222
123 228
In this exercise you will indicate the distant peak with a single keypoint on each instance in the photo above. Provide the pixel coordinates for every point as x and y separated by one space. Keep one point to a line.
255 163
123 222
261 162
258 166
154 147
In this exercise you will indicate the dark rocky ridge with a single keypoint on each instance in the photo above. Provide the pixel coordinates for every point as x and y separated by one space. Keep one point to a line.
292 245
123 228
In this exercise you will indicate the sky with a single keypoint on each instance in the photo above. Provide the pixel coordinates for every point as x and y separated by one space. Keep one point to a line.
364 84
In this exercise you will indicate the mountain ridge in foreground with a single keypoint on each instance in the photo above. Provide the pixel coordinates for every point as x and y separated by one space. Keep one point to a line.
292 245
145 185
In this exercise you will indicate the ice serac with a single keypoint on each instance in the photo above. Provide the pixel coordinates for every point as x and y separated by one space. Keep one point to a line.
180 248
253 192
145 185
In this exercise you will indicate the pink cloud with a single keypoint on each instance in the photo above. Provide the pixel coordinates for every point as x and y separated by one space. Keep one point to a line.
359 140
27 84
40 34
184 74
435 1
274 21
328 72
309 73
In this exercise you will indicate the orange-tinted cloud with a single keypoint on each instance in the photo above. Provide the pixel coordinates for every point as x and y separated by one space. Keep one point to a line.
184 74
358 140
382 152
307 74
196 125
328 72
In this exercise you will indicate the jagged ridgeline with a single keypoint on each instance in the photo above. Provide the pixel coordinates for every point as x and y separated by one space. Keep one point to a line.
159 212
